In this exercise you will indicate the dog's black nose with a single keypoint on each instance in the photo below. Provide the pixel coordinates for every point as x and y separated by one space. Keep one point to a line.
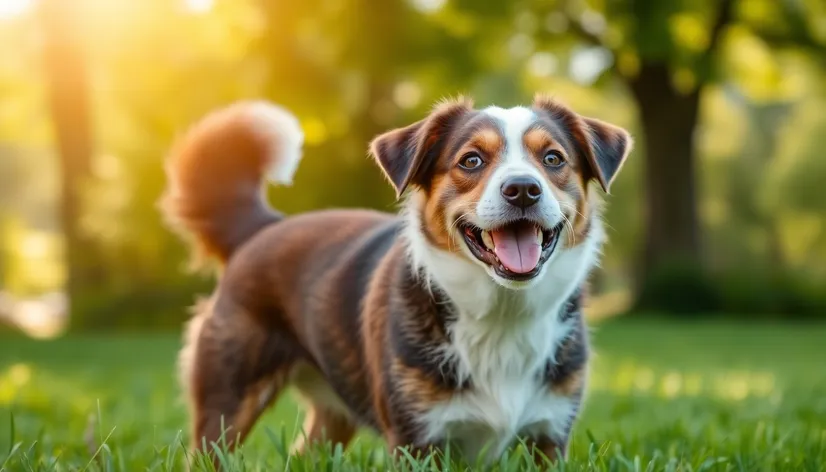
522 191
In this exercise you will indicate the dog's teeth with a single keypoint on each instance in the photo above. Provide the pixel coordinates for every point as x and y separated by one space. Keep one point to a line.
487 239
538 235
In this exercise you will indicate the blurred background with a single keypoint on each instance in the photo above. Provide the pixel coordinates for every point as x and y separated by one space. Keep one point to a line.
720 210
709 310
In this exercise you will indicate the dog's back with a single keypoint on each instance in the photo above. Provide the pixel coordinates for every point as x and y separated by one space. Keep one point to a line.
288 304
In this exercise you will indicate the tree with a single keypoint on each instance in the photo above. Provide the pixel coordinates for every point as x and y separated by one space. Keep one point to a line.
68 94
667 53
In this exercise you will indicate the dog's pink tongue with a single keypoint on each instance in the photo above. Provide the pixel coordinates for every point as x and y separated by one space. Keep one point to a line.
517 247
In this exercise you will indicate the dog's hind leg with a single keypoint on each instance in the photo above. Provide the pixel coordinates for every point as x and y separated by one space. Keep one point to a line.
232 368
327 419
323 424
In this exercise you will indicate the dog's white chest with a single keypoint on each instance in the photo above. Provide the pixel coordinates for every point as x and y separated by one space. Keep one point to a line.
508 397
489 421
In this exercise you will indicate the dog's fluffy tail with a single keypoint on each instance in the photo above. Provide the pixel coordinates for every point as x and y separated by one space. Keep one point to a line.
216 173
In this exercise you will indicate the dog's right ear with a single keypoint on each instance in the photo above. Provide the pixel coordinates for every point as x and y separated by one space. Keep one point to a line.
405 153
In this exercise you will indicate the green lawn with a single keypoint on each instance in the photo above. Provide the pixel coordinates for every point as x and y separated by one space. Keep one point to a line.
664 396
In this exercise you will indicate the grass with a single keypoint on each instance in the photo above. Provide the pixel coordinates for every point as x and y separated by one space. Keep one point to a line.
665 395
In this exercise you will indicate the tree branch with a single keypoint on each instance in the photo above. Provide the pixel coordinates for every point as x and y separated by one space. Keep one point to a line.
725 16
580 31
586 35
798 33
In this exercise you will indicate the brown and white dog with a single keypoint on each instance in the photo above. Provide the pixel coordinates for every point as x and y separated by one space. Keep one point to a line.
456 321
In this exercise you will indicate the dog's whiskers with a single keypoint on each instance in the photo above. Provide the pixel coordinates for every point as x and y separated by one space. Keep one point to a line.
462 217
568 224
454 225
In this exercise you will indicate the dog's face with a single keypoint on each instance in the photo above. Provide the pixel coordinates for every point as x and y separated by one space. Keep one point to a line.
501 186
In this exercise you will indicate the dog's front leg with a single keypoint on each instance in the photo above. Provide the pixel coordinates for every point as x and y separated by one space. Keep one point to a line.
402 447
546 450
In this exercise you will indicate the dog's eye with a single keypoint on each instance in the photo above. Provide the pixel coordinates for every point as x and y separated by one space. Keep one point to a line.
471 161
553 159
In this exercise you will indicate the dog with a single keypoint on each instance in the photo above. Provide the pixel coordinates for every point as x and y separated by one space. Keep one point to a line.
455 322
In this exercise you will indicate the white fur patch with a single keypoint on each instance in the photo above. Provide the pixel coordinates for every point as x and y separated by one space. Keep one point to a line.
284 127
515 121
491 208
504 358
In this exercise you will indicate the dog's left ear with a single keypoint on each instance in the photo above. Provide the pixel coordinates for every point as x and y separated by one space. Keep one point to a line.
405 153
610 146
604 145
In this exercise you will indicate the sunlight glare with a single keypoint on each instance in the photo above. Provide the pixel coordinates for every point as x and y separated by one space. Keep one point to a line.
19 374
407 94
671 385
428 6
199 6
315 131
587 64
14 8
542 64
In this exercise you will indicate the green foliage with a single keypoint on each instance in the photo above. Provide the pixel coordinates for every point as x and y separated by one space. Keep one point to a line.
771 293
353 68
747 292
681 286
144 307
663 395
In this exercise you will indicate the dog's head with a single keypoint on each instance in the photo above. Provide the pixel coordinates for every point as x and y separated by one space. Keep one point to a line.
500 186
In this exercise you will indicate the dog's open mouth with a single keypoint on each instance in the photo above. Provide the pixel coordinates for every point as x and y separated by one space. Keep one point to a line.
516 250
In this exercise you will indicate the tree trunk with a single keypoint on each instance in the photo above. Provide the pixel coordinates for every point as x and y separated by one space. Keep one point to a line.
68 94
672 234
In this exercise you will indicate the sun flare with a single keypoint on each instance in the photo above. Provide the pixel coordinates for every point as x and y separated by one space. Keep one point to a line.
14 8
199 6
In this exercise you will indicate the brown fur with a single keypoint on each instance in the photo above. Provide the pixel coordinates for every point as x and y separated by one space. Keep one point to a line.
328 301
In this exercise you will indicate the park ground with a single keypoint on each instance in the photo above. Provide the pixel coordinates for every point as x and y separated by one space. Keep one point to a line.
664 395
